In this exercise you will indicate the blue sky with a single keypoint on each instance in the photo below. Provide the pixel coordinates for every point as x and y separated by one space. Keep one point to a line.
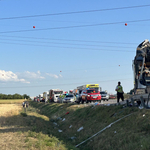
35 60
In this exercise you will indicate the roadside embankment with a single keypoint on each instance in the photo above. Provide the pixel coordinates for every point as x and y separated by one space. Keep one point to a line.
76 123
20 130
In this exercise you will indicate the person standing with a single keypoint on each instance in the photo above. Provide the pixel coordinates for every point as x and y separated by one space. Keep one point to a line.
23 104
120 92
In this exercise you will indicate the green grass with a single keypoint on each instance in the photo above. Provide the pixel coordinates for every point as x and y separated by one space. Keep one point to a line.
130 133
11 101
39 127
30 129
44 141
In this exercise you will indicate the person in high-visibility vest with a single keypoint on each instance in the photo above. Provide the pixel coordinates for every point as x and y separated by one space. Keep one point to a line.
120 92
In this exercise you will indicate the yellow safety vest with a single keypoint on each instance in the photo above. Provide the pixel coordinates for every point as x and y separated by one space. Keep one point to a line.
120 89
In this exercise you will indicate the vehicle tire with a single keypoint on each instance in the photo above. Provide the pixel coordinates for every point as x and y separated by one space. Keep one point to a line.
82 101
86 100
79 100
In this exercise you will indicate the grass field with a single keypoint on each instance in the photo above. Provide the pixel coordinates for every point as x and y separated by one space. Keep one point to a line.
128 134
11 101
18 130
10 109
43 127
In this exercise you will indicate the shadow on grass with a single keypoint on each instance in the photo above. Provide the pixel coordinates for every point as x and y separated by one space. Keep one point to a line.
92 118
32 121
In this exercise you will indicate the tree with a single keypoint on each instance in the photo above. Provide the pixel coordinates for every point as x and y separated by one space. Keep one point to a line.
9 96
26 96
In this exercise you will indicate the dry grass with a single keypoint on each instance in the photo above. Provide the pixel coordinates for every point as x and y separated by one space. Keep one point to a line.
37 128
9 138
12 140
11 101
17 130
9 109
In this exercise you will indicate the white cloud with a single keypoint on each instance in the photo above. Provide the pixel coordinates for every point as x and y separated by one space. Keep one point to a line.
31 75
54 75
10 76
60 75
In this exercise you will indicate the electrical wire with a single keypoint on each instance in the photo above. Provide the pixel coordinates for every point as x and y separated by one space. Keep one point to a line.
76 12
84 41
65 84
76 26
71 48
91 77
87 69
64 43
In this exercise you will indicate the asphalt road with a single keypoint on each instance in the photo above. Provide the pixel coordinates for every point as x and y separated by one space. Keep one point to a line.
110 101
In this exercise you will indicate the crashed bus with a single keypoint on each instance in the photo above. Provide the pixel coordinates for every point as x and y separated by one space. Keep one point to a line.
141 68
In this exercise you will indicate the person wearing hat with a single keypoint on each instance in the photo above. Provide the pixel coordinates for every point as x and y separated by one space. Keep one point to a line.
120 92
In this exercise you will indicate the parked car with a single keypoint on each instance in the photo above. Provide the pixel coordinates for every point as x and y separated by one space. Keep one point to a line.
78 96
112 97
104 95
90 95
70 98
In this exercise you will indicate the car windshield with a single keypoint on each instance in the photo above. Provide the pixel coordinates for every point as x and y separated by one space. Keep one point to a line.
58 92
92 91
69 95
103 92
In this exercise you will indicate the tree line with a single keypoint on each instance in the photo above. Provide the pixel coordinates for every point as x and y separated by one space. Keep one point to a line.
14 96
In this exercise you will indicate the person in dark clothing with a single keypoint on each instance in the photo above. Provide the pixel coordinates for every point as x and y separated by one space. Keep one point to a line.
27 104
120 92
23 104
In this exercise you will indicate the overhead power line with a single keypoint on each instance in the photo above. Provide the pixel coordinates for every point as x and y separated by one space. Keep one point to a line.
77 78
75 44
65 84
76 26
71 48
76 12
70 40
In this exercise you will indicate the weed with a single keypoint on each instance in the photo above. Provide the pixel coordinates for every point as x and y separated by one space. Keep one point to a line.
34 128
23 114
19 133
26 140
31 134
